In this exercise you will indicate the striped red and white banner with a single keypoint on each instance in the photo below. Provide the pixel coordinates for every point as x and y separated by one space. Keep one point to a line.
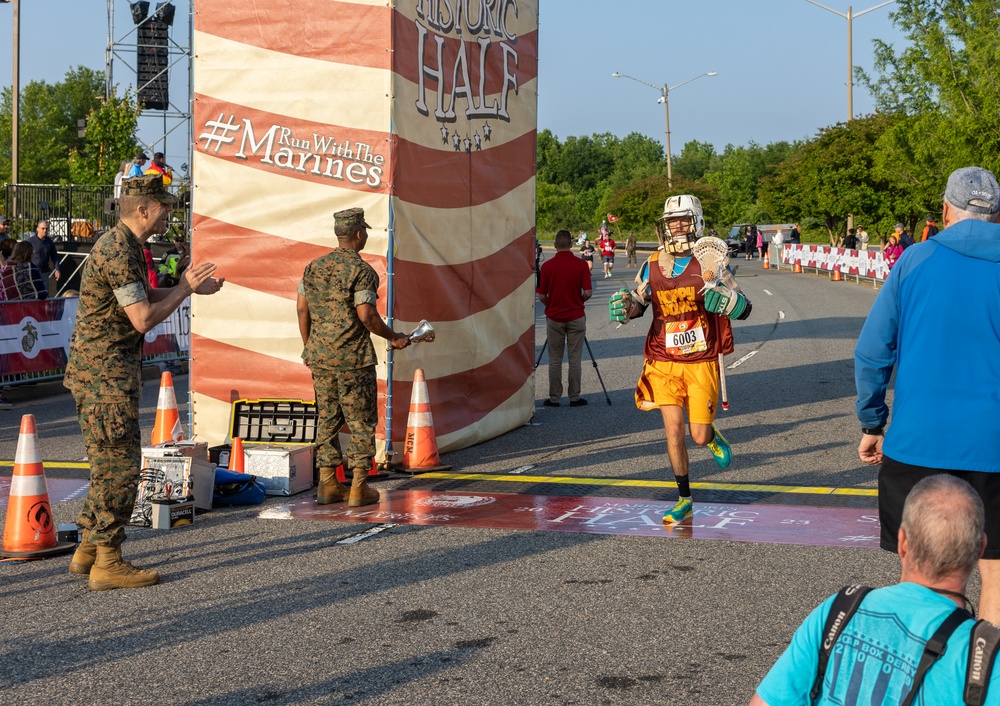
865 263
422 113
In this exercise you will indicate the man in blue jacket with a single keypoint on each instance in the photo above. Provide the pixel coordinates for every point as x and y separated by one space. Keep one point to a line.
937 323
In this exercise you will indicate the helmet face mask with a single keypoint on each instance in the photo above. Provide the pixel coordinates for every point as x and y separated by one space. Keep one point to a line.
681 225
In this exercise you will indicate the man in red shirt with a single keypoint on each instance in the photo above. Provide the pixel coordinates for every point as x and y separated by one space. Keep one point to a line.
564 287
606 246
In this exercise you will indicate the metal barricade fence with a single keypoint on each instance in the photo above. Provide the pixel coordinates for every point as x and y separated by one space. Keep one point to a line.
35 335
75 212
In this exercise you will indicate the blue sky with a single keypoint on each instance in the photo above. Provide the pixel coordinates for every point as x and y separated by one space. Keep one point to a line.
782 64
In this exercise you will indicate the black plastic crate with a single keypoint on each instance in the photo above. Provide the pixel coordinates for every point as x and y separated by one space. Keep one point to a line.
274 421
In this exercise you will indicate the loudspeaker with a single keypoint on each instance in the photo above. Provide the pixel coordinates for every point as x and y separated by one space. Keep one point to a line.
151 65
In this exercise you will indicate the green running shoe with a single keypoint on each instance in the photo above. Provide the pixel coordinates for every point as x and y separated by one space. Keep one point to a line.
720 449
681 511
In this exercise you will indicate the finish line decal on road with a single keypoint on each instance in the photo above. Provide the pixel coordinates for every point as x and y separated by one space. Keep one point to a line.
60 489
625 483
513 477
759 523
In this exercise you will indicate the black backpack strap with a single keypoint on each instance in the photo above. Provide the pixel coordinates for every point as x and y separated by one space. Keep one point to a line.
983 643
934 648
844 606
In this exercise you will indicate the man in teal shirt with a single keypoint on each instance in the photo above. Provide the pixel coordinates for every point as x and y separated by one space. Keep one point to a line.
875 657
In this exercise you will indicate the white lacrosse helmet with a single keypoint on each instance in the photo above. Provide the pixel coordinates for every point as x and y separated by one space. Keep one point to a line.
677 238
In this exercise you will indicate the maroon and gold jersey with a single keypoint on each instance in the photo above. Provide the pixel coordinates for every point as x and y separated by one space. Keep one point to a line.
682 331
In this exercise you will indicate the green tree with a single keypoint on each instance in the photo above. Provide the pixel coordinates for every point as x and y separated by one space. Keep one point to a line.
108 141
48 125
696 160
945 81
555 207
738 177
834 175
636 158
640 204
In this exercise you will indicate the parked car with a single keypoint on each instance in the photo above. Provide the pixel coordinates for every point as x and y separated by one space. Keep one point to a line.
738 234
736 240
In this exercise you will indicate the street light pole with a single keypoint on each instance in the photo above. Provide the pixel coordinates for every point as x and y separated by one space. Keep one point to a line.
15 108
15 90
850 47
664 91
666 114
15 103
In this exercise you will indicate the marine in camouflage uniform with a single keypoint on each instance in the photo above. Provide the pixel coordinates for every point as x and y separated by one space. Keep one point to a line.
336 310
104 375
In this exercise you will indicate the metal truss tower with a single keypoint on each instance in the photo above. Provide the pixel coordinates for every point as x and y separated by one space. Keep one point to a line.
123 47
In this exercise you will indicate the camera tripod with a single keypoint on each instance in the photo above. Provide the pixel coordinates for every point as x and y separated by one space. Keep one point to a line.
592 360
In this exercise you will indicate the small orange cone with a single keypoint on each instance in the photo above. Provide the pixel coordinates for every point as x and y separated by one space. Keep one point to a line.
236 461
168 423
767 262
420 451
797 269
342 476
29 532
836 276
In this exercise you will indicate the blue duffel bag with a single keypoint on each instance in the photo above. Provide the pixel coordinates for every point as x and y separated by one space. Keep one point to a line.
232 488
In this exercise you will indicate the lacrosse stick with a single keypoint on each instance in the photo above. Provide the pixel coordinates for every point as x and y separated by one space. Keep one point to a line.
713 256
722 380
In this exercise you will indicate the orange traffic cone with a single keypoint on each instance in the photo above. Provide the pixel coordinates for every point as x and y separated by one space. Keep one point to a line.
29 532
167 426
767 262
342 475
836 276
797 269
236 461
420 451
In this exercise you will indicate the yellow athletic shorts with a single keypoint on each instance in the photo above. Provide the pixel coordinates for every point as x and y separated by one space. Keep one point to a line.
694 386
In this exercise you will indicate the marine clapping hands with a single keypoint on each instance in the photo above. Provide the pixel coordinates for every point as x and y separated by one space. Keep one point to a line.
199 278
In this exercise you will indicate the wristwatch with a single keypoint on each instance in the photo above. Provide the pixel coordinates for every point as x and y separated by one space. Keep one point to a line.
873 431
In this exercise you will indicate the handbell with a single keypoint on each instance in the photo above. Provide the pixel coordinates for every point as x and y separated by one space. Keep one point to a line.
424 332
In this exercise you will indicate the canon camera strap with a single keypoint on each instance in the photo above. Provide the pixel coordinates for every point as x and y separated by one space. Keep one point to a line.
934 648
845 605
983 644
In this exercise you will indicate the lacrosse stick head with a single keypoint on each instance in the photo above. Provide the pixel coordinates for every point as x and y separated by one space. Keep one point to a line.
681 224
713 256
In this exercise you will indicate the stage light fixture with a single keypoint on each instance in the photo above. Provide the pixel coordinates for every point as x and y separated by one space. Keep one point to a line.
139 11
164 13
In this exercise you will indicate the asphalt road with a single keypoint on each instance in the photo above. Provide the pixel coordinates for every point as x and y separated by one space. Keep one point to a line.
255 610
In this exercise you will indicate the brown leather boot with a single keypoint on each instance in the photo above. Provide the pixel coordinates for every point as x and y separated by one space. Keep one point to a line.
330 490
111 571
361 494
84 556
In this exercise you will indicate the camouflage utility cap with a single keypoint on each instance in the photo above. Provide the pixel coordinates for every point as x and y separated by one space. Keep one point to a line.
350 218
148 185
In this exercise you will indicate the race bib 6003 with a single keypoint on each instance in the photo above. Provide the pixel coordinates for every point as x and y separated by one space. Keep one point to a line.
684 337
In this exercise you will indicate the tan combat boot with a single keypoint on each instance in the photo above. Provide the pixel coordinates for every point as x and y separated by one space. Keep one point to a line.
84 556
111 571
361 494
330 490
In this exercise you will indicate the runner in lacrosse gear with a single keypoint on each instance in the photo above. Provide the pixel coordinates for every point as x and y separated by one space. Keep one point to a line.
681 224
689 331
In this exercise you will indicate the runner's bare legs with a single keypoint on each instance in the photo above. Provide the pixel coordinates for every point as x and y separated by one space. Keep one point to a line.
673 424
989 597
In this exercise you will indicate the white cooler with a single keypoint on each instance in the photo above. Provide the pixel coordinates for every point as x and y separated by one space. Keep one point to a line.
284 470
